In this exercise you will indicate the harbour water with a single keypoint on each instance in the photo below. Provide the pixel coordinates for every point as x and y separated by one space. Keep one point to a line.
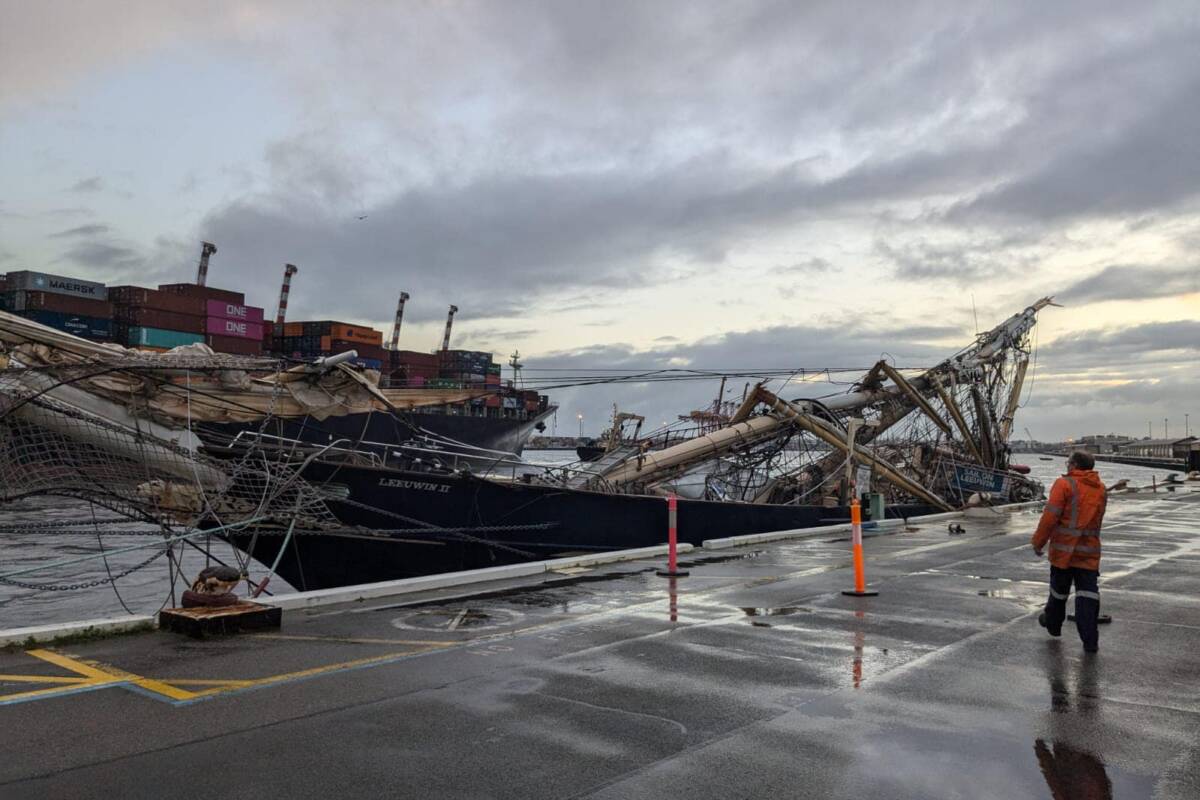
145 590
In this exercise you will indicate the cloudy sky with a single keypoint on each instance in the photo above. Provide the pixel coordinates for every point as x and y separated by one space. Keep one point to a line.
639 185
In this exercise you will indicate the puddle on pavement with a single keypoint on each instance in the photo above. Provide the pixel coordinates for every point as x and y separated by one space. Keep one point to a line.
1005 594
783 611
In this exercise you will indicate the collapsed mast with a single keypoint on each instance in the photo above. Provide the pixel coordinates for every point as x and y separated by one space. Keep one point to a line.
937 437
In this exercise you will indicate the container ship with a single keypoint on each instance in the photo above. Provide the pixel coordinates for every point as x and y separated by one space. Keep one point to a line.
458 395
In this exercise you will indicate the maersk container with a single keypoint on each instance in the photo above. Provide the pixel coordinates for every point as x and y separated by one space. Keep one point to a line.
60 284
157 337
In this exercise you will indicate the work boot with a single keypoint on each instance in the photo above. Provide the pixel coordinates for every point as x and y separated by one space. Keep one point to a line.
1091 648
1042 622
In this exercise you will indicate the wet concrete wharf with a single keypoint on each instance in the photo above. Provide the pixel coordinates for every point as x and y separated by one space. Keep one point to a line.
754 676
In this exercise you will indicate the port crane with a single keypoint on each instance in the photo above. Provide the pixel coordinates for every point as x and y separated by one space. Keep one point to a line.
399 318
288 271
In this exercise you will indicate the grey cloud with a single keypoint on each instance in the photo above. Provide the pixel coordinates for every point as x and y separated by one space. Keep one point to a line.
105 255
1138 342
808 347
81 230
1129 282
92 184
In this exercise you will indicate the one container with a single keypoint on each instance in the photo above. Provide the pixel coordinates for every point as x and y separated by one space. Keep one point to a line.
293 329
59 284
155 298
157 337
27 300
140 316
204 292
233 327
224 309
77 324
234 345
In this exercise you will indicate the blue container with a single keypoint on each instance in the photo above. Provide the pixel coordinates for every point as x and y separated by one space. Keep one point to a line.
368 363
85 327
160 337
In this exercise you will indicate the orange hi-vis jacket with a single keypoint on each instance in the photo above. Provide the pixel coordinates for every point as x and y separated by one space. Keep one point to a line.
1071 520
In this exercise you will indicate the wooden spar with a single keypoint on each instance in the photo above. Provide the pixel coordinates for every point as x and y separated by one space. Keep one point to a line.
1014 398
819 429
985 427
871 380
956 415
897 411
914 395
748 404
693 450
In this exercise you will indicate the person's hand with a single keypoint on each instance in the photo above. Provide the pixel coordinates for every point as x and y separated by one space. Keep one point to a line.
1037 551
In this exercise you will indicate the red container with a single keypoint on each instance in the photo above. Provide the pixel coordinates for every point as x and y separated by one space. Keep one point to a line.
234 345
416 358
203 292
235 328
153 298
155 318
224 309
492 401
64 303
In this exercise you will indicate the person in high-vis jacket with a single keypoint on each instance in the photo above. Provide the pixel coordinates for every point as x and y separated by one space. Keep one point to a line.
1070 525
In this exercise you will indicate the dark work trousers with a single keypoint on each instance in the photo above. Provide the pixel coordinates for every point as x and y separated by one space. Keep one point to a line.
1087 602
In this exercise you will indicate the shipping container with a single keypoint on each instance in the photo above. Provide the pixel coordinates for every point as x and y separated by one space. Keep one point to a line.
234 345
77 324
293 329
368 363
157 337
223 309
493 401
355 333
142 317
154 298
233 327
147 349
58 284
27 300
531 405
203 292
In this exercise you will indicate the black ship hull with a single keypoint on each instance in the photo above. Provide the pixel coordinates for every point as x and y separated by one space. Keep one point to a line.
496 523
372 430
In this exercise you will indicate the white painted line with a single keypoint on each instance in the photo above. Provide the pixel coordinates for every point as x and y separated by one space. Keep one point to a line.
371 591
87 627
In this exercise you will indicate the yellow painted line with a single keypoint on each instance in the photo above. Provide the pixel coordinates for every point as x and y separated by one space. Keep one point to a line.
70 664
40 679
199 682
351 640
105 674
6 698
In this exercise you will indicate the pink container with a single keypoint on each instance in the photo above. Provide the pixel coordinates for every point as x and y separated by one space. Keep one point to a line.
225 310
234 327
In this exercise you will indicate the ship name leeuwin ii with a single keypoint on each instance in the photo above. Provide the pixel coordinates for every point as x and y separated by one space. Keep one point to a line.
192 441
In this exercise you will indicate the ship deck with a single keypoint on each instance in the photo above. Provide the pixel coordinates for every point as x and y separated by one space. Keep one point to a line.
754 676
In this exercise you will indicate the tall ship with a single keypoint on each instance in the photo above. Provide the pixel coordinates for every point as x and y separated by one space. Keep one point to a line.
200 445
447 394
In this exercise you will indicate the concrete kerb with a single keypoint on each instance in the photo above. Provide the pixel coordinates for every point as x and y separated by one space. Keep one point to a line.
40 634
371 591
887 524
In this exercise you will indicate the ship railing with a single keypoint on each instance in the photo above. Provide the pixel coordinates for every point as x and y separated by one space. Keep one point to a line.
251 438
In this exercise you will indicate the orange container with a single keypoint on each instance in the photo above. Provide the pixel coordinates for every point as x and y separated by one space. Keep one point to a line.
355 333
293 329
325 340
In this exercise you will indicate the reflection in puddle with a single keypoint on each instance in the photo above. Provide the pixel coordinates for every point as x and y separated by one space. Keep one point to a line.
1072 773
773 612
1006 594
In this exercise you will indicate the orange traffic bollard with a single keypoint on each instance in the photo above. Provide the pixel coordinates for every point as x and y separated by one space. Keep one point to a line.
860 579
672 570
